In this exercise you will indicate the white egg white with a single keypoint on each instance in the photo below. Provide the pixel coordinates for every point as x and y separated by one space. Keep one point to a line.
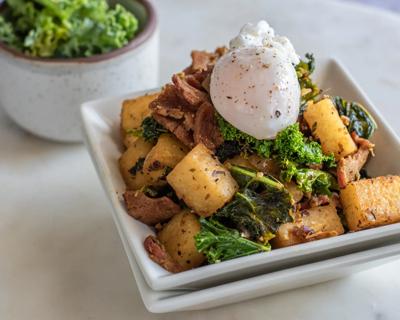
256 89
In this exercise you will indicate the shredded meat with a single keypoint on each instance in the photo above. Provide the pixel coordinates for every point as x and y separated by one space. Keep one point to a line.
206 128
200 60
149 210
199 80
159 255
193 96
177 128
184 106
349 167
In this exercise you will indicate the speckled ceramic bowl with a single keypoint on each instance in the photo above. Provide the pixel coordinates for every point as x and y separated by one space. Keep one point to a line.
44 95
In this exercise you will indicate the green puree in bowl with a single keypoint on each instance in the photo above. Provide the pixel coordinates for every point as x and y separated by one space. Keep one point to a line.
65 28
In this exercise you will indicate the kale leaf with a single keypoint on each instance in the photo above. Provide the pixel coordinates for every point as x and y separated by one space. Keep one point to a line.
220 243
259 208
245 141
361 121
68 28
150 130
309 180
304 70
291 145
7 34
227 150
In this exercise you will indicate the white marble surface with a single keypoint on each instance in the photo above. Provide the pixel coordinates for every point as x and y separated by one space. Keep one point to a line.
60 254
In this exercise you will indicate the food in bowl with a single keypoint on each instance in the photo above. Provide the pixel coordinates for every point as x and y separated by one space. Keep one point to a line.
235 158
65 29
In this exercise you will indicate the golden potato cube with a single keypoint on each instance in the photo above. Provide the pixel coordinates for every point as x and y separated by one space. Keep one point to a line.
165 155
311 224
132 114
138 150
177 236
202 182
327 126
369 203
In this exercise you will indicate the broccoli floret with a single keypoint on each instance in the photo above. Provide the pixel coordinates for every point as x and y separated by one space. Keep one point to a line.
220 243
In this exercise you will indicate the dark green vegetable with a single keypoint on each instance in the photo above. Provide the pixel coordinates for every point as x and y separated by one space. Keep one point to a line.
158 191
150 130
245 141
220 243
309 180
137 167
259 208
291 145
7 34
304 70
228 150
67 28
361 121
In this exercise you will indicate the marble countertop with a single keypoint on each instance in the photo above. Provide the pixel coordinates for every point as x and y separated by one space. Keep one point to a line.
60 254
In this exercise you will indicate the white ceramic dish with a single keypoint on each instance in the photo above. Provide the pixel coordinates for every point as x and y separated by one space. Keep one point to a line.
255 287
44 95
101 127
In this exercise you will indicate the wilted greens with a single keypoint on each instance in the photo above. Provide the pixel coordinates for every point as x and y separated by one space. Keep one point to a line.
304 70
227 150
259 208
246 142
360 120
150 130
66 28
309 180
220 243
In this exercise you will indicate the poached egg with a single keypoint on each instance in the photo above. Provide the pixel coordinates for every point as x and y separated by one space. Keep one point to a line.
254 86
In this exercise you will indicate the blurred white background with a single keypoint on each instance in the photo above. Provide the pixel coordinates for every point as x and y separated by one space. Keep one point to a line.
393 5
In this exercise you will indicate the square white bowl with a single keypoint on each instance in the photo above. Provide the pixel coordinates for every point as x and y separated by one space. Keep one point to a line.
101 124
262 285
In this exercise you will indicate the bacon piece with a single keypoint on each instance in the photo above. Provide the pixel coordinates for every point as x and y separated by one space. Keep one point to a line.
206 129
177 127
198 80
159 255
168 99
349 167
193 96
177 106
149 210
201 60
